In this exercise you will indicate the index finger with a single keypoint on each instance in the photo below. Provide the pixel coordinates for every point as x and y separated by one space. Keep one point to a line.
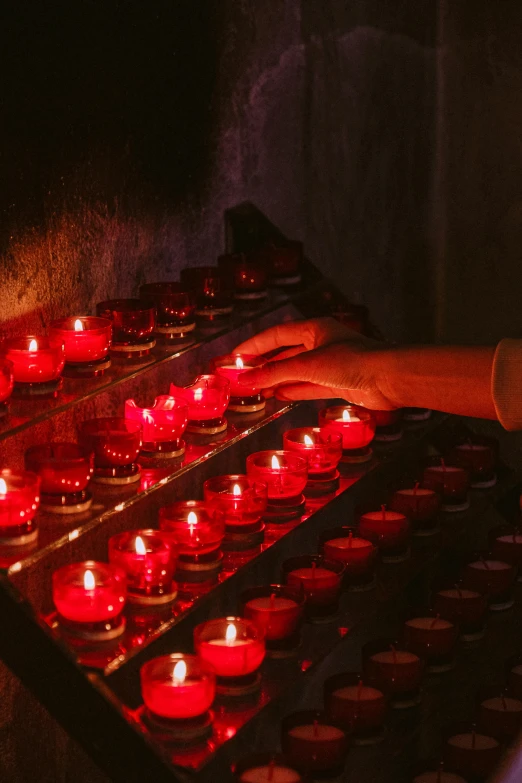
278 336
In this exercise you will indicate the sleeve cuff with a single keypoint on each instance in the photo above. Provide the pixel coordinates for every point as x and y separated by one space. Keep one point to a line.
506 383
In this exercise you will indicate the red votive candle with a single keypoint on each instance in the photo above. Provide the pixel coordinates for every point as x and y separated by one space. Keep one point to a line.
314 743
388 425
207 399
283 261
163 425
65 470
6 384
465 608
116 443
420 505
89 598
451 483
433 639
356 427
321 581
177 686
175 308
244 398
471 753
359 707
37 362
284 473
395 671
506 544
266 768
148 561
323 450
493 578
479 460
214 297
500 715
437 775
390 531
278 611
87 340
514 676
19 501
241 499
356 554
247 278
234 647
132 326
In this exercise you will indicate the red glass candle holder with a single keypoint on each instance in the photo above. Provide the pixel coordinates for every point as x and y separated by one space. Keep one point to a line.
451 483
420 505
175 308
314 743
499 714
494 578
395 671
349 318
356 427
37 365
390 531
278 611
163 424
434 639
266 768
207 399
235 648
148 560
506 545
283 262
214 297
321 580
285 475
132 326
242 502
247 277
358 556
19 501
463 607
178 691
323 450
388 425
479 460
470 753
197 532
514 676
359 707
115 443
87 340
244 398
416 415
6 384
89 598
65 470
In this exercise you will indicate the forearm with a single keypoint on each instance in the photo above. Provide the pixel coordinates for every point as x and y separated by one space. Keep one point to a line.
453 379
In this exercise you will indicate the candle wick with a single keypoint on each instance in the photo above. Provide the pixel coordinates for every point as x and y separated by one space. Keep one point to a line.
271 769
415 488
439 772
504 705
272 601
383 510
486 564
459 591
350 539
316 728
314 566
394 654
434 621
473 739
359 690
443 464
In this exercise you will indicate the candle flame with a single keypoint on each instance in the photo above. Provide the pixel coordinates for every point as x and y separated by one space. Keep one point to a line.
3 487
239 363
308 440
78 326
192 518
33 345
180 672
198 395
89 581
346 415
236 489
141 549
275 463
231 634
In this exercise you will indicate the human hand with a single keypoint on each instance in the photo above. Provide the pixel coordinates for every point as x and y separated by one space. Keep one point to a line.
322 359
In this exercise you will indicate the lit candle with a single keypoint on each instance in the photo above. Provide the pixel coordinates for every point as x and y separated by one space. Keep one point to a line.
175 308
472 754
352 703
493 578
197 532
86 340
451 483
116 443
35 360
132 326
241 499
397 672
89 598
148 561
389 530
320 579
19 501
284 473
207 399
356 427
500 715
177 686
433 639
276 609
163 425
65 470
356 554
314 743
322 449
244 397
232 646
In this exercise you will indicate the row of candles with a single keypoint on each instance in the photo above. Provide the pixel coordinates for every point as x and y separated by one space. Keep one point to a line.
81 346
